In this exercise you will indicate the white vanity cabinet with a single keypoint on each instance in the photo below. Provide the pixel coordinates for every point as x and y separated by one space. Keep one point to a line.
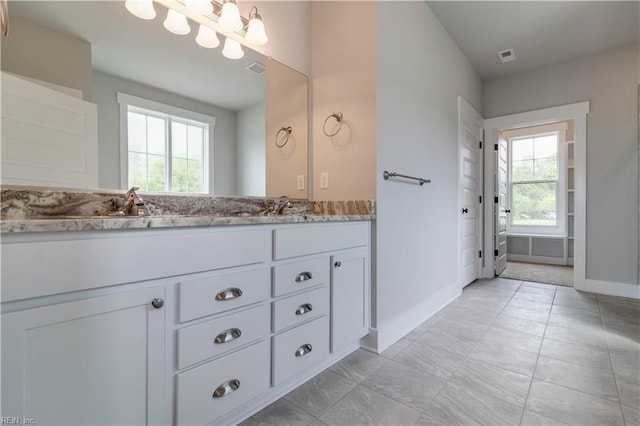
177 326
93 361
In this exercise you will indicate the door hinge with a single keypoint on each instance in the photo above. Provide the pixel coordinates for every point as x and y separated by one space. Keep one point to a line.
480 199
480 144
480 253
495 147
495 200
495 253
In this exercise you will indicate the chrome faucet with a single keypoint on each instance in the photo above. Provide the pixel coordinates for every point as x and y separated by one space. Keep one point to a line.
132 203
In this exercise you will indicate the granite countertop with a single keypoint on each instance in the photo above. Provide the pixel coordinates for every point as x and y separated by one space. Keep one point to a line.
36 209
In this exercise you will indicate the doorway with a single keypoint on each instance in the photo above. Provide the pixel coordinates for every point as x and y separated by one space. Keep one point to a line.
537 245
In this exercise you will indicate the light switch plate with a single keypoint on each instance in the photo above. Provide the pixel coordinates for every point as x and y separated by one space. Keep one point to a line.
324 180
300 182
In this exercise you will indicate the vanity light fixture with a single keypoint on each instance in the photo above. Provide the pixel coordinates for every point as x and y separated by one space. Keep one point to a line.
176 23
199 7
255 28
211 15
143 9
230 17
232 49
207 37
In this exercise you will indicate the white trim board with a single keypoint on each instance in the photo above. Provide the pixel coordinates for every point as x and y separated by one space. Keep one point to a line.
381 338
576 112
613 289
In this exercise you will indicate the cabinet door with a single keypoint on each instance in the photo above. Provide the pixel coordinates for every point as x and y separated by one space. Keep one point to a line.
350 299
93 361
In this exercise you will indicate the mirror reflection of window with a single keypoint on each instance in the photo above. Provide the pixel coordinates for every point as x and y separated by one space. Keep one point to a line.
167 149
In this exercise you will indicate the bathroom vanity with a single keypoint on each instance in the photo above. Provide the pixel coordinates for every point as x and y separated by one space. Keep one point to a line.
166 321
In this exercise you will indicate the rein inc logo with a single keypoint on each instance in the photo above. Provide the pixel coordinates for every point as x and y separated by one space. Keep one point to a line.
17 420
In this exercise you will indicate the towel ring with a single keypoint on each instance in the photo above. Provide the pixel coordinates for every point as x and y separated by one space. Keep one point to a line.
338 116
288 131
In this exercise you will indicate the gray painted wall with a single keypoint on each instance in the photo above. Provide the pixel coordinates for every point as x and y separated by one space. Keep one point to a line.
105 89
417 119
250 169
38 52
608 80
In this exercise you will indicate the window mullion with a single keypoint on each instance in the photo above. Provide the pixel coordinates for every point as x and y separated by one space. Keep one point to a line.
168 162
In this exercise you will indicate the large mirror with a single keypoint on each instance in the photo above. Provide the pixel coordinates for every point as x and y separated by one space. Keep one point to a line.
99 52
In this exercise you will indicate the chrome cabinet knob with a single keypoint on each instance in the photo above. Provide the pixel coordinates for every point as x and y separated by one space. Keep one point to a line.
157 303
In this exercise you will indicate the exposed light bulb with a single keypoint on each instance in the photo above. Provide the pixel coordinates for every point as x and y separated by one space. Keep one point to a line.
199 7
232 49
176 23
207 37
230 17
255 31
143 9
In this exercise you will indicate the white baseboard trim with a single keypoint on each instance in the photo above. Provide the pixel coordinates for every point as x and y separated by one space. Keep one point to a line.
613 288
536 259
381 338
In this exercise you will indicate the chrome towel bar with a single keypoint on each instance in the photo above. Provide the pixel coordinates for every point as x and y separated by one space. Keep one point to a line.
386 175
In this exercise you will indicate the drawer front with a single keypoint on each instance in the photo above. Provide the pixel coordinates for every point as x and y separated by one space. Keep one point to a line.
300 275
215 337
300 348
246 370
304 240
219 293
299 308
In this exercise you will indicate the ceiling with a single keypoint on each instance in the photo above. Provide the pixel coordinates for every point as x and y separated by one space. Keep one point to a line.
144 51
540 32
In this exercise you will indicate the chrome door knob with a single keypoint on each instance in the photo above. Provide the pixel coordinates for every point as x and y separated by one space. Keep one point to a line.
157 303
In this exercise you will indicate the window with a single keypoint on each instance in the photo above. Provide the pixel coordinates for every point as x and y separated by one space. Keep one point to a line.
537 183
165 149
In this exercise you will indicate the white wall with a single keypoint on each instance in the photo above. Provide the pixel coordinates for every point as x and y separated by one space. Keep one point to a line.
105 88
344 80
609 81
421 72
250 161
40 53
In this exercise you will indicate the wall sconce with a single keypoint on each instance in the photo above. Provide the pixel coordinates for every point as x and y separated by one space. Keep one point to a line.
225 16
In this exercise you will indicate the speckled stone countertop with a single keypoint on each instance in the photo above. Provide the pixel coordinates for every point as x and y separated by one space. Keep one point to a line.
37 209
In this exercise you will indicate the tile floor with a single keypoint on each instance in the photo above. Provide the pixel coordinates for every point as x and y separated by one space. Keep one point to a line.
505 352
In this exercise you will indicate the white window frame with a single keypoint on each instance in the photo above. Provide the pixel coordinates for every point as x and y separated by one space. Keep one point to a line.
125 101
561 188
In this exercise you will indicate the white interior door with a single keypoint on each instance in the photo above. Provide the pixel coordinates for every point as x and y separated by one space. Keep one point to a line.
470 139
500 211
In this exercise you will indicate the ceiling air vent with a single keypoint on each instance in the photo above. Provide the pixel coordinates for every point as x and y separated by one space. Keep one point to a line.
507 56
256 67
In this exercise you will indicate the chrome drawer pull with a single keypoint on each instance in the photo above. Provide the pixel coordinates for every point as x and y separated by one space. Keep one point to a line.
226 388
228 294
303 350
303 276
228 335
303 309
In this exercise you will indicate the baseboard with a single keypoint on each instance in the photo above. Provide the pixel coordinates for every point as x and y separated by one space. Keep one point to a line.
536 259
613 288
381 338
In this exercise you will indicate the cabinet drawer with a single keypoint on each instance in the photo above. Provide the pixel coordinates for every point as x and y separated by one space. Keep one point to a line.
300 348
246 369
301 307
219 293
215 337
304 240
300 275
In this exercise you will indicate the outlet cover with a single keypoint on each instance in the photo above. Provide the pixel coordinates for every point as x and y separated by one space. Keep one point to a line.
300 182
324 180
